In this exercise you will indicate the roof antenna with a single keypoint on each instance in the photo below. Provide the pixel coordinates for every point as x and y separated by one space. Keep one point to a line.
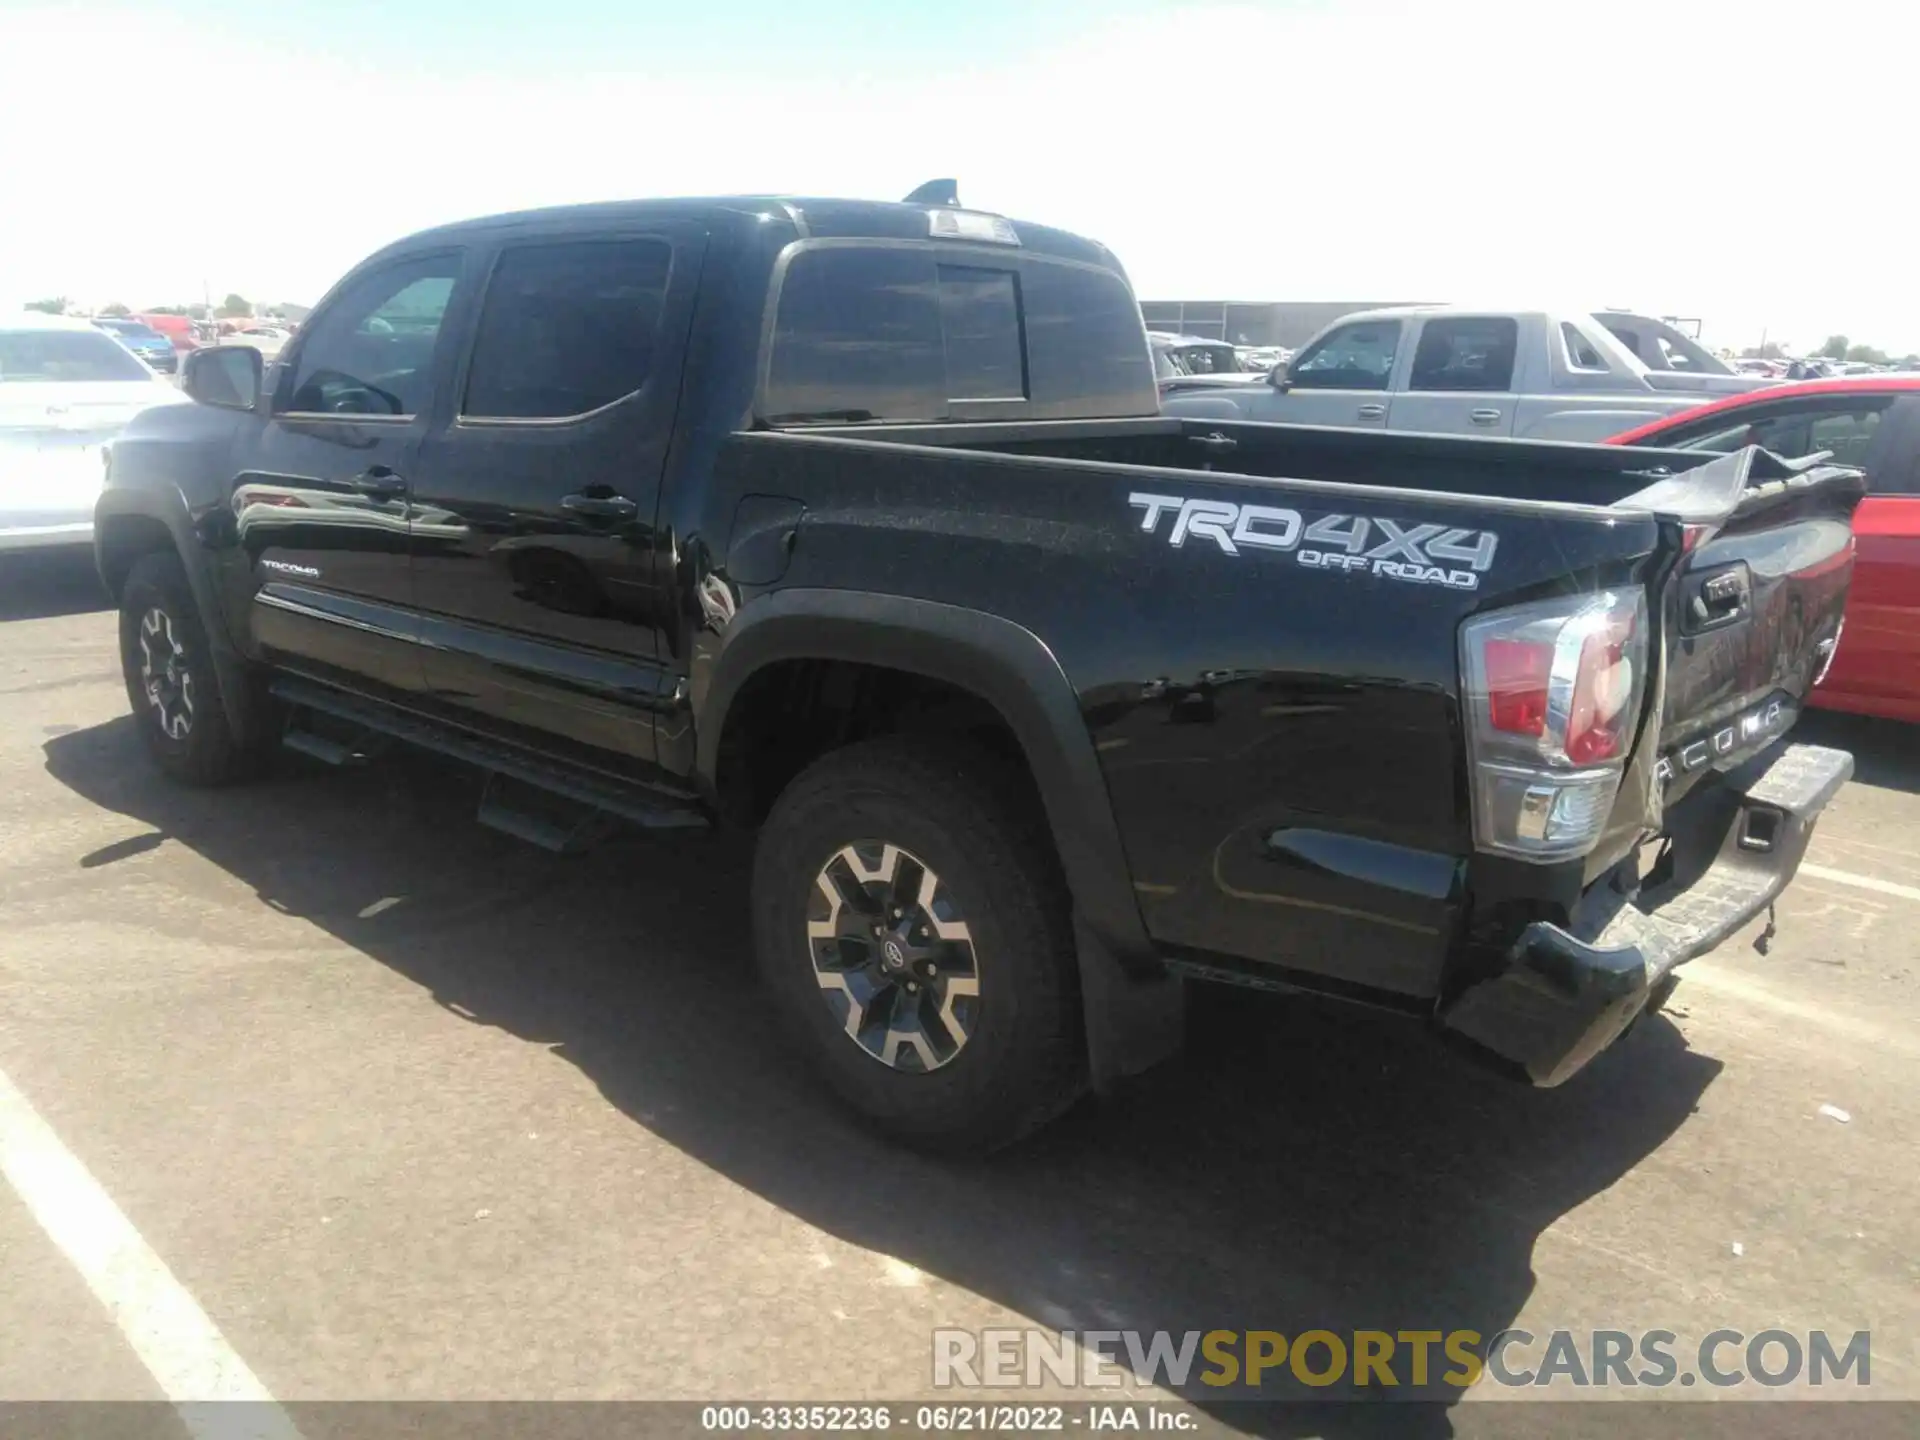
936 192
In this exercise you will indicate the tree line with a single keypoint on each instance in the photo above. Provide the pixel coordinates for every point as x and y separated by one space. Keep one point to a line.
1835 347
234 307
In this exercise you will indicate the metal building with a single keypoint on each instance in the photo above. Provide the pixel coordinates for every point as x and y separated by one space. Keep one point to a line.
1259 322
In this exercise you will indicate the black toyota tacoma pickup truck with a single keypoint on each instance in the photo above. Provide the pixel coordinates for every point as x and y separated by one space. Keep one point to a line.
858 523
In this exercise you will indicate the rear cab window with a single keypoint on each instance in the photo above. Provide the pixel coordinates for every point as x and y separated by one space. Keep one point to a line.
914 332
1582 353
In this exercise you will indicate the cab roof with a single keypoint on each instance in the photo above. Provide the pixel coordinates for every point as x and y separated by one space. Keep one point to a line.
812 217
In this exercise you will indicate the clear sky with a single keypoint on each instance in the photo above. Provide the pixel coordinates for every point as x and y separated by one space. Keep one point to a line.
1747 162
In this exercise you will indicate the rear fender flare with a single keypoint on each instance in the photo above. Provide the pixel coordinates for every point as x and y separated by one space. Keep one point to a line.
1003 663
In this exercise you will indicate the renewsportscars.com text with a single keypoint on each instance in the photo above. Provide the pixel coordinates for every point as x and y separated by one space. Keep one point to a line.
1382 1359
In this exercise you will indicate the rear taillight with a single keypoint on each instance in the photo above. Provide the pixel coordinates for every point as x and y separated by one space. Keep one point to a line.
1552 693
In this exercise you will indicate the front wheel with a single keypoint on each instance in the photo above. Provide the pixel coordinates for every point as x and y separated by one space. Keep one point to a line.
910 921
170 677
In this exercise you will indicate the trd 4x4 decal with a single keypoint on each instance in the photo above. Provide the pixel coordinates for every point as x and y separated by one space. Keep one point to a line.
1424 554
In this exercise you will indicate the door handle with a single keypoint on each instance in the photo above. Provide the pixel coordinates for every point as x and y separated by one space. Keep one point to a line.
1485 417
379 482
1371 412
600 507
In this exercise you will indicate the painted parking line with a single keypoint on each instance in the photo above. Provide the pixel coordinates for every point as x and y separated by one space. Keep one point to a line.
1860 1034
1861 882
181 1347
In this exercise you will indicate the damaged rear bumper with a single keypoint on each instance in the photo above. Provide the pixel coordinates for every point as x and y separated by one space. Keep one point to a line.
1568 993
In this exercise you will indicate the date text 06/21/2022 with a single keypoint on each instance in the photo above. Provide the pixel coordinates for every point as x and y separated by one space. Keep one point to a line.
946 1418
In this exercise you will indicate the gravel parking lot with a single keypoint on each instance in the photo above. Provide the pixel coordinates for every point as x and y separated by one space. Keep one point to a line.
414 1111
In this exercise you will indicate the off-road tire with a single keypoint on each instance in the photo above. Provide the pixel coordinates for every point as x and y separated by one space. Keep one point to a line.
967 815
204 752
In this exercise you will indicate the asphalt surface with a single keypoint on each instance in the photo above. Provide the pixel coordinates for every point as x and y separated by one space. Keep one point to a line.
414 1111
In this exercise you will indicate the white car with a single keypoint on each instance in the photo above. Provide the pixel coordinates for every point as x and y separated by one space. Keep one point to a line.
66 389
269 340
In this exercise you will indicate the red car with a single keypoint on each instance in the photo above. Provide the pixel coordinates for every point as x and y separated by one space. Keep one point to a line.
1872 421
177 328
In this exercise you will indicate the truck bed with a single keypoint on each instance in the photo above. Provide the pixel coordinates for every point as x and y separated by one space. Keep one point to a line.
1525 470
1184 558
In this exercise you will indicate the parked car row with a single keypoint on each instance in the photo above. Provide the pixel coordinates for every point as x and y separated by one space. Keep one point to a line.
1627 379
161 339
144 341
1536 375
67 389
1183 357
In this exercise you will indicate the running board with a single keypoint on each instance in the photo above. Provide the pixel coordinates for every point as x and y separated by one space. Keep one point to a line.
599 794
323 748
557 823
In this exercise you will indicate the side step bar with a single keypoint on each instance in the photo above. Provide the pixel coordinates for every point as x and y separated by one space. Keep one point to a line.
506 767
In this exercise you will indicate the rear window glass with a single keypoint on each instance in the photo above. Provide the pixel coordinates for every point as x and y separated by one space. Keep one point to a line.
1581 353
1630 339
71 355
980 324
923 334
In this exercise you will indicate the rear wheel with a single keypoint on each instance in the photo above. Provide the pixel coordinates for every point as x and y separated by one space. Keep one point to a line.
170 678
911 923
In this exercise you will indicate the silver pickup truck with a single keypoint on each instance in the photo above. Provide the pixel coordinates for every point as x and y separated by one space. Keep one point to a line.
1532 374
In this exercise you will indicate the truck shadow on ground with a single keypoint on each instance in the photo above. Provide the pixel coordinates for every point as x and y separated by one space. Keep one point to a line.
43 586
1303 1167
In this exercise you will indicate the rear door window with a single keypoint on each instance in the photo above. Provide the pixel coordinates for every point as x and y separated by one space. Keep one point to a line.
1847 433
1844 425
567 328
1354 357
1466 353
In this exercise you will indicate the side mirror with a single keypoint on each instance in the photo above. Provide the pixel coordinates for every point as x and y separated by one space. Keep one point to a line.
1278 379
229 376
